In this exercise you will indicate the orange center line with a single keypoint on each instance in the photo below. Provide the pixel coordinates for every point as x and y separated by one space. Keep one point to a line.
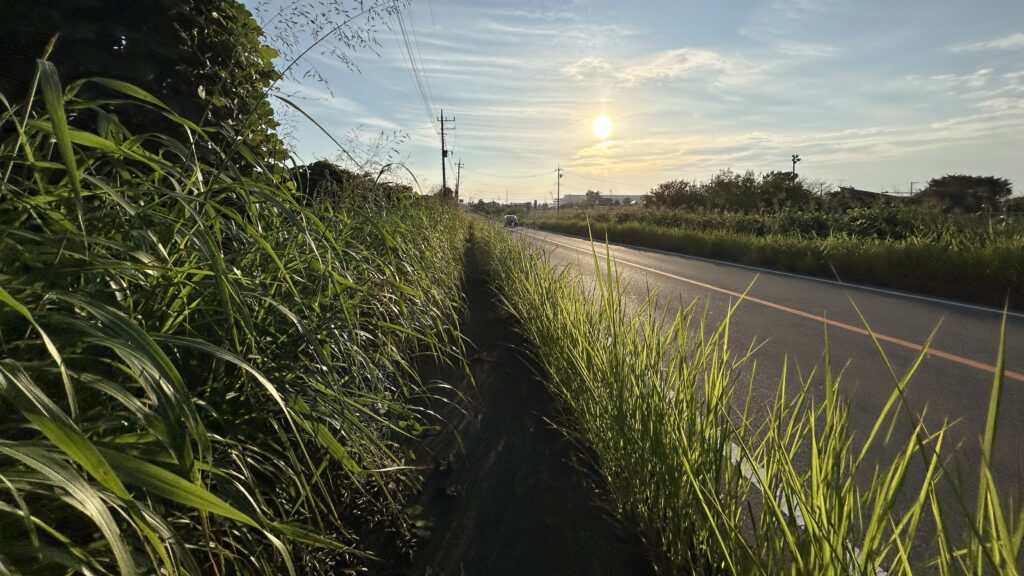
818 318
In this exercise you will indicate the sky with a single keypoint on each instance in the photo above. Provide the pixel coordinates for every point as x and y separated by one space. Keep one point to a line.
870 94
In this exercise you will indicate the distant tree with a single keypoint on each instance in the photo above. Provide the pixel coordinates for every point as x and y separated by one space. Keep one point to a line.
732 192
592 198
728 191
445 193
783 190
319 179
963 193
675 194
1014 204
325 181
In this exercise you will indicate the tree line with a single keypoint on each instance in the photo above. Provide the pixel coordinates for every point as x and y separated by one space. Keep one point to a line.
729 191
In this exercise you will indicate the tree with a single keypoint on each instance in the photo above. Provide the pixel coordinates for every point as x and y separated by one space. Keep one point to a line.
783 190
730 191
675 194
444 193
1014 204
592 198
963 193
203 58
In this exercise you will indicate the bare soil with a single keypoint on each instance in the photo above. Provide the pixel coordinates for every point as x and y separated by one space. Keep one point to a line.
508 492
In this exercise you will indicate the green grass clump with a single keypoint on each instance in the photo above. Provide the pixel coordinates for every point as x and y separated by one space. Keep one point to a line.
914 250
198 373
717 485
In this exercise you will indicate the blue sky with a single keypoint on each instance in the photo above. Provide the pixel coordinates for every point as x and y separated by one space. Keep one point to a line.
870 94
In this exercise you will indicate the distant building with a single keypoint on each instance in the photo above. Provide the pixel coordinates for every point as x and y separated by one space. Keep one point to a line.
850 197
606 199
573 199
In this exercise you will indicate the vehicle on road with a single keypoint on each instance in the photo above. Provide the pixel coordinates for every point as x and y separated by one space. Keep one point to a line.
511 221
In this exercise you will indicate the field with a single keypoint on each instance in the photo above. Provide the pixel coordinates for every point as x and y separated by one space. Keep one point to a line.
961 256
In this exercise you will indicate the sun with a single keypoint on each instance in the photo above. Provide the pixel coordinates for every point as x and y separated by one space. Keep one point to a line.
602 126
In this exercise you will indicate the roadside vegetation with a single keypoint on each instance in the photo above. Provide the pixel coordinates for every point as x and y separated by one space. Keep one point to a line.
205 368
715 489
210 356
915 247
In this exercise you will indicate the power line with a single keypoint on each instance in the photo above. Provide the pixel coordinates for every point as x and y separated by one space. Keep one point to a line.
605 181
476 183
545 173
420 77
414 70
426 77
423 82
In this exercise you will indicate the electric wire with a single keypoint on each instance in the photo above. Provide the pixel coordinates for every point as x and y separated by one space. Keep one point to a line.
606 181
414 70
419 53
539 174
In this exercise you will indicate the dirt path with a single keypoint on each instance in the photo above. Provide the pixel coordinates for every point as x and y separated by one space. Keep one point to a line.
508 493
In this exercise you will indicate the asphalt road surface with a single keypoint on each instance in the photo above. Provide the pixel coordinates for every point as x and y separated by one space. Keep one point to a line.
789 314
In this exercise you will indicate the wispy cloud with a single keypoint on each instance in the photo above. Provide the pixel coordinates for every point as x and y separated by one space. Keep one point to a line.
976 79
1013 41
806 49
539 15
378 122
316 96
983 84
798 10
590 67
778 18
665 65
680 63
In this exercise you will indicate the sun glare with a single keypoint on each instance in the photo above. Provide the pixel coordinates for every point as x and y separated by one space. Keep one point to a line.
602 126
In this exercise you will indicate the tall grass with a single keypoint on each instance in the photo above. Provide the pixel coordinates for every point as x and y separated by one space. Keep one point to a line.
985 271
715 488
199 374
894 223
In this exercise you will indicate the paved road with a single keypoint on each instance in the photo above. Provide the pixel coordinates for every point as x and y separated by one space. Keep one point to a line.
789 312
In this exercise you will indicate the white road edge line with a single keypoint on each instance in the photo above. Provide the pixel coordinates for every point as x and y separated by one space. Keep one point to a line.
748 470
540 235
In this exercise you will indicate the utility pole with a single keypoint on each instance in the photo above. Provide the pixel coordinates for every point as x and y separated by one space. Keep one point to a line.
796 158
506 196
444 153
458 178
558 203
912 187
